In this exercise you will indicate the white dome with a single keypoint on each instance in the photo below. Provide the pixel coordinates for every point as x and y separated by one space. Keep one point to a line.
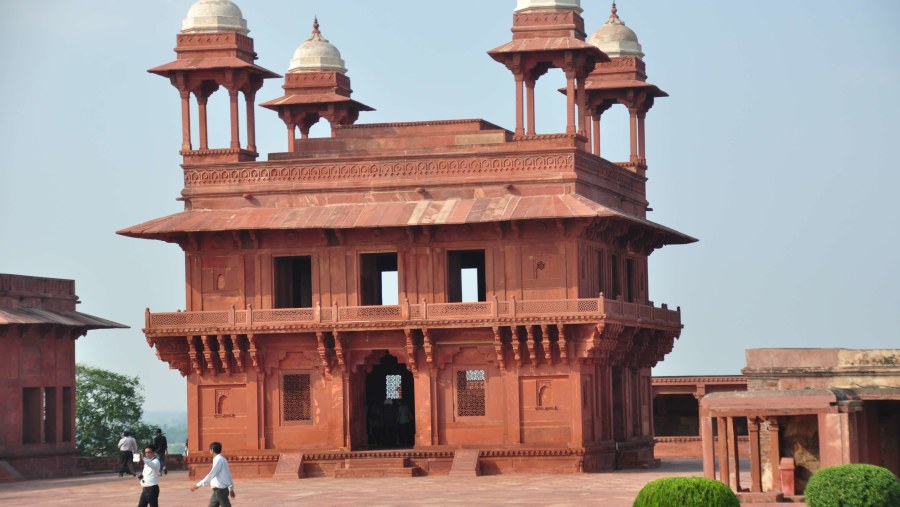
210 16
574 5
316 54
615 39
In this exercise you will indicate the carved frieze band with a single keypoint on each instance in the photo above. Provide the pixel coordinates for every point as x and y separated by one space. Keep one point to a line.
205 176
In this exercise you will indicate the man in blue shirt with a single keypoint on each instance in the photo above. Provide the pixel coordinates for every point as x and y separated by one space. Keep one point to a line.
219 478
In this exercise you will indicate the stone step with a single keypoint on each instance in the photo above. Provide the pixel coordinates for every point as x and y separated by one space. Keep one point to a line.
465 463
378 463
372 472
289 466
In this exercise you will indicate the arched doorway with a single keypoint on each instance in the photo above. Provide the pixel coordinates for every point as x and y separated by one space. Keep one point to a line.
390 405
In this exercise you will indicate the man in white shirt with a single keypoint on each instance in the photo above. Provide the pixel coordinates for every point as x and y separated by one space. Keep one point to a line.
127 447
219 478
150 479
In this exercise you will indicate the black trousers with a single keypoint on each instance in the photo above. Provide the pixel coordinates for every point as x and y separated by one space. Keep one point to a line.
149 497
126 465
219 498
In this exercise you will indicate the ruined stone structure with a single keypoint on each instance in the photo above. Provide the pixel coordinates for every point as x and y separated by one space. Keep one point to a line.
488 286
38 329
676 413
805 409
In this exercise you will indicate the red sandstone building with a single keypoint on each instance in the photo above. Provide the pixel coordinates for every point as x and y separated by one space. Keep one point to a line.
38 329
490 283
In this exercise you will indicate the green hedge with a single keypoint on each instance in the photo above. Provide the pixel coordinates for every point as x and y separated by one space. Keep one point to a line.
686 492
853 485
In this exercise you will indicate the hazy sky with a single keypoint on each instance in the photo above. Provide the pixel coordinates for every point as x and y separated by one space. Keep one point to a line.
777 149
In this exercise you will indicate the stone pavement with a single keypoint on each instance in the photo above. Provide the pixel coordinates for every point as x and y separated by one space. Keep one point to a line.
612 489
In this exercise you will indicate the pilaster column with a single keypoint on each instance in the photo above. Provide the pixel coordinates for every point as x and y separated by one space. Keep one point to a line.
632 113
642 155
201 109
249 98
570 102
529 88
520 120
583 124
185 120
755 463
235 128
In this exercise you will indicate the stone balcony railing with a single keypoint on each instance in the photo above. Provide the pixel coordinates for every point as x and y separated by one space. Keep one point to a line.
493 312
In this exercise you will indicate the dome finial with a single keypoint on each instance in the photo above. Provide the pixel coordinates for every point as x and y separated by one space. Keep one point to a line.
315 24
614 12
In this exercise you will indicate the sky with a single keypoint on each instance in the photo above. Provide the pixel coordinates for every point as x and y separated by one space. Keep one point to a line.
776 149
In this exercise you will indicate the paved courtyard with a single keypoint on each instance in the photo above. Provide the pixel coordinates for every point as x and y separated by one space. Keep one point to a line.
613 489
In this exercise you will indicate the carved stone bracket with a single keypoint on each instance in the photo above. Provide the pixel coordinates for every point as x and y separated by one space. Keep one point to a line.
236 352
561 343
411 350
530 342
428 346
339 349
498 348
514 339
223 353
192 354
545 341
207 353
254 352
323 353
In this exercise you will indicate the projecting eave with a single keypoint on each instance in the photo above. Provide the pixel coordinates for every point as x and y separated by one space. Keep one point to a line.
39 316
217 63
424 212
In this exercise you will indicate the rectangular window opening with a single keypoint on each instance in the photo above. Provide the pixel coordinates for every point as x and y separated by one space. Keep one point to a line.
466 276
50 415
297 400
616 289
379 279
31 415
629 280
293 282
470 393
67 415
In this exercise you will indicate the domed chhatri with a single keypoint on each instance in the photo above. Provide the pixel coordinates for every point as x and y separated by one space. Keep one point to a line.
615 39
574 5
212 16
316 54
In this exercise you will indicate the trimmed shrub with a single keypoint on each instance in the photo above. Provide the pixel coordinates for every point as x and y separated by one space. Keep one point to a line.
855 485
686 492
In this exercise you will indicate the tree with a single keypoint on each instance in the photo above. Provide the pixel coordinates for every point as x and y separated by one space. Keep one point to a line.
107 404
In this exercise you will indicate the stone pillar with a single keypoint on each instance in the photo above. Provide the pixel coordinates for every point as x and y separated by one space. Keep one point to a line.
642 155
235 128
201 110
185 120
249 98
570 102
596 134
755 458
734 480
520 120
724 460
582 108
529 89
774 451
632 113
292 139
708 447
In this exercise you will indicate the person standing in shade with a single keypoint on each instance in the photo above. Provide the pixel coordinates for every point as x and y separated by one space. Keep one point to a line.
150 479
127 448
162 447
219 478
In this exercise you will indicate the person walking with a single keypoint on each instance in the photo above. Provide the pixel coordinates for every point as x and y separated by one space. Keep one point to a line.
150 479
127 448
219 479
162 448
